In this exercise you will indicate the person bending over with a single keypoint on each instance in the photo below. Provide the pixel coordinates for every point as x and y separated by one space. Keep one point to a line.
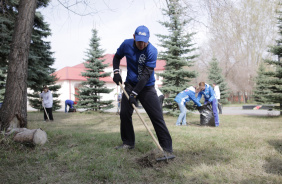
209 96
181 99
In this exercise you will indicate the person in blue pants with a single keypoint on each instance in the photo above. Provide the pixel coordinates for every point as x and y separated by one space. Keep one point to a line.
209 96
181 99
69 103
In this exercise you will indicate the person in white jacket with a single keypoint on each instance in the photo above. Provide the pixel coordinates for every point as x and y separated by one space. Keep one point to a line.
217 96
47 102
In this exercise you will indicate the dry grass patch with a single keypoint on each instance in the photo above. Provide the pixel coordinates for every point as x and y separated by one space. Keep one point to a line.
80 149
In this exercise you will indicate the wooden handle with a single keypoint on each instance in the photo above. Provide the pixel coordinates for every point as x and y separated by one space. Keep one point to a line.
145 124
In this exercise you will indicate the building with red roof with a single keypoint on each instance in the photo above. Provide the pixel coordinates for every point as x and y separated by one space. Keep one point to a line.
70 79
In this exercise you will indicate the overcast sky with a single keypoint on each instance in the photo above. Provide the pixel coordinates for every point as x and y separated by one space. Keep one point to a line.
115 20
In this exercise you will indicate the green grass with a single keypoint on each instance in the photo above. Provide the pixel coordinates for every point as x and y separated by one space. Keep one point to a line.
243 149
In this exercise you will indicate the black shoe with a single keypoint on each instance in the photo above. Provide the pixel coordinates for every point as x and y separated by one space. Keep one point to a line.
124 146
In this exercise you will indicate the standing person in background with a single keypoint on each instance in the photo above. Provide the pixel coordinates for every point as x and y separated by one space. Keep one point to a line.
47 102
217 96
209 96
69 103
181 99
141 58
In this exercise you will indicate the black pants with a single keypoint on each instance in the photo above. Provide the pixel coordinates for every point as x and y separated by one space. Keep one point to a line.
219 107
161 98
49 112
150 102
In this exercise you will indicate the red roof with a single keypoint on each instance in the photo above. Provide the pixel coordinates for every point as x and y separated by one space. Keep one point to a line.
74 73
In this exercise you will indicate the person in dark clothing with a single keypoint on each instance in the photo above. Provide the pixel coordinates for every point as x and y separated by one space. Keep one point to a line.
141 57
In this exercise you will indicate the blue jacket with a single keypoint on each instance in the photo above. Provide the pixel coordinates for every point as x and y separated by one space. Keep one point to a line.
137 59
187 95
208 94
70 103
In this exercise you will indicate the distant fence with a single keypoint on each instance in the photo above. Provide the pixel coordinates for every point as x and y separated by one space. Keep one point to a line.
240 98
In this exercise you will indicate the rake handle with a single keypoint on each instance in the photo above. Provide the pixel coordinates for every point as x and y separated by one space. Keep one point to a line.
145 124
45 110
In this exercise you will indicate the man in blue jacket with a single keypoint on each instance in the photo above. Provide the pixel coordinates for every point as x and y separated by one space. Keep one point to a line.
209 96
141 57
181 99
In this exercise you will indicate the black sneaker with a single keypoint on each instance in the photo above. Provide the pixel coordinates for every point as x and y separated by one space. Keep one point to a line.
124 146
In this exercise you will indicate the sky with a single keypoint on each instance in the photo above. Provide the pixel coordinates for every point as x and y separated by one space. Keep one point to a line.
115 20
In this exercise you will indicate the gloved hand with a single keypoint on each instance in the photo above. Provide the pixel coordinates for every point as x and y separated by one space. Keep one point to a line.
117 78
132 99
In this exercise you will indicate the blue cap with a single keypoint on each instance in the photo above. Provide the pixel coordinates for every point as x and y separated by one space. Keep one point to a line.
142 34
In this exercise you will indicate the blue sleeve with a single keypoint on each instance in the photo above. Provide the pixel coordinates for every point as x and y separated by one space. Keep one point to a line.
186 100
199 96
151 60
212 97
194 99
120 50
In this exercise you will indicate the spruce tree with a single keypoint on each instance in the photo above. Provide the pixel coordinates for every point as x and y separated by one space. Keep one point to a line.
275 77
7 20
90 93
261 90
39 65
40 57
215 76
177 54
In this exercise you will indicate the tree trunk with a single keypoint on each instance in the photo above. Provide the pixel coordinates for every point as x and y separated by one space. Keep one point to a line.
15 101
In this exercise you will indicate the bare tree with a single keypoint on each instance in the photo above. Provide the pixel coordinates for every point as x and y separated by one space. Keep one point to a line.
240 32
14 106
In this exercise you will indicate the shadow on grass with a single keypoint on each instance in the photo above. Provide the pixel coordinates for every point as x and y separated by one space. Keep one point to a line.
273 165
36 116
277 144
264 116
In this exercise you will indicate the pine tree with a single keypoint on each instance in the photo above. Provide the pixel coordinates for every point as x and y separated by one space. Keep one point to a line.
7 20
40 57
261 90
177 54
215 76
90 93
275 76
39 65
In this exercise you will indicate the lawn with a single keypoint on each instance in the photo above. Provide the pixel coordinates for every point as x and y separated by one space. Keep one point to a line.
80 149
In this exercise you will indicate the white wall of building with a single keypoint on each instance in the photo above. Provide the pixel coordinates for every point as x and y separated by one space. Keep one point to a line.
67 90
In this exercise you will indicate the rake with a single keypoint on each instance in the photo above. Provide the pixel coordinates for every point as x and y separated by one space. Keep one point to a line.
165 157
